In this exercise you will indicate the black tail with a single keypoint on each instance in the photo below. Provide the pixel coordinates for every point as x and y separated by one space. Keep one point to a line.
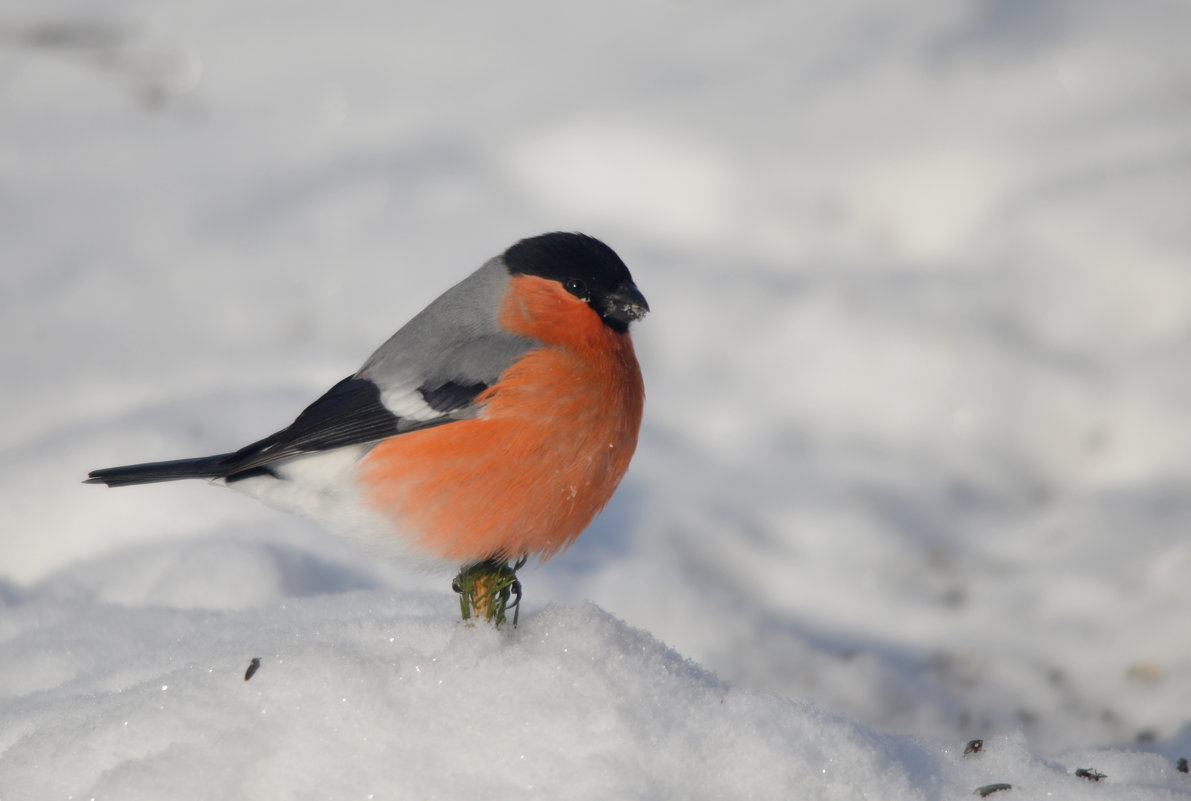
350 413
206 467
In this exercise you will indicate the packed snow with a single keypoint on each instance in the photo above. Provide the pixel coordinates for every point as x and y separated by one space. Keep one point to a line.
914 469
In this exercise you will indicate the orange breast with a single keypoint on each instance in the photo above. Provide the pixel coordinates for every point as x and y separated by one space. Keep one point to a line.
529 473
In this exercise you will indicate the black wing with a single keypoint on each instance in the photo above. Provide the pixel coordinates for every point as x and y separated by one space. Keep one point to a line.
350 413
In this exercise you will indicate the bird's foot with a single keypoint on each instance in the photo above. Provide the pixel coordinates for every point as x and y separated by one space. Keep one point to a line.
485 589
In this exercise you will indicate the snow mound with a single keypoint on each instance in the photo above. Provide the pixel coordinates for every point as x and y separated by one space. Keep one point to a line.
370 694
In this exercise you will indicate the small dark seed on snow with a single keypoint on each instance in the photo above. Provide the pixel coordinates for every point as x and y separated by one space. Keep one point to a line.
989 789
253 667
974 747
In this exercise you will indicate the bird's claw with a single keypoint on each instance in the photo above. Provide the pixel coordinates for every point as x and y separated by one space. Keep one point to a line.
485 589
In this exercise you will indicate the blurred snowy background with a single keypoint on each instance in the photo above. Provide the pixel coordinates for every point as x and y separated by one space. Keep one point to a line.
918 431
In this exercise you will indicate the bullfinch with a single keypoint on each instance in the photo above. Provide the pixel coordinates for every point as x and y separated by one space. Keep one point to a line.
493 426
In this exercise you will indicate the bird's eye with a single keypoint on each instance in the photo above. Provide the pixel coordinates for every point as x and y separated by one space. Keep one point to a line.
576 287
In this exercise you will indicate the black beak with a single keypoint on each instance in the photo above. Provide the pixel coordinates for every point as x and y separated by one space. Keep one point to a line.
624 305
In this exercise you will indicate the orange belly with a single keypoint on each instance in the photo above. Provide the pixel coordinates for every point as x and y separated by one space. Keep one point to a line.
526 475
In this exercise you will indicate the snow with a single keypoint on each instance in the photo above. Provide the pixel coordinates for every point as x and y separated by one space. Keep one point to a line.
365 695
915 457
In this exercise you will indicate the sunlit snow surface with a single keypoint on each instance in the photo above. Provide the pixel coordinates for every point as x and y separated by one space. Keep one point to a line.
915 465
